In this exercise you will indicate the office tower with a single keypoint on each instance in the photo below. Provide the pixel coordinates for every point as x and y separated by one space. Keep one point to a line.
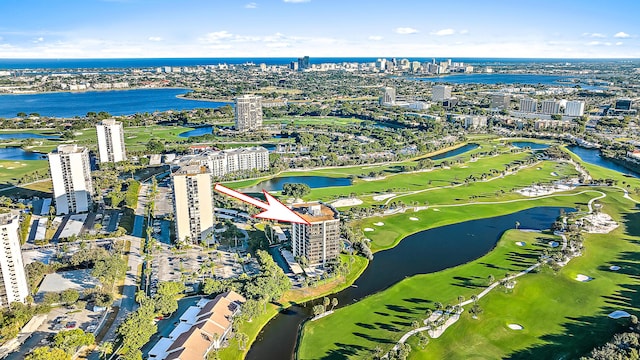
528 105
550 107
193 204
13 281
500 101
248 112
440 92
111 141
71 175
574 108
293 66
318 242
389 96
303 63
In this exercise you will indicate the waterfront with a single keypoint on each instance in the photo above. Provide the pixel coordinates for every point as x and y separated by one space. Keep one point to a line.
277 183
455 152
16 153
424 252
593 156
115 102
530 145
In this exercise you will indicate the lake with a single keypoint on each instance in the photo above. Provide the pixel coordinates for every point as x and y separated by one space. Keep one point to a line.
424 252
455 152
277 183
592 156
115 102
529 144
26 135
16 153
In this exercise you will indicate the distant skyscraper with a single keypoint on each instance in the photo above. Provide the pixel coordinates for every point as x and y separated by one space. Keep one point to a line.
574 108
389 96
500 101
248 112
318 242
293 66
440 92
111 141
550 107
71 175
528 105
303 63
193 204
13 281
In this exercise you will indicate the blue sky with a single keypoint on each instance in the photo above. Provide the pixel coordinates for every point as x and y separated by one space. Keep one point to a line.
318 28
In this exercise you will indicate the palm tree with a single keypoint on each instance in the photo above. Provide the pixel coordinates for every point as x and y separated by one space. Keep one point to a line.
428 313
334 303
438 306
106 349
415 324
377 352
517 224
474 298
460 299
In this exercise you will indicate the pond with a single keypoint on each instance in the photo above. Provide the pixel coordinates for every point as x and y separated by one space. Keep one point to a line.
424 252
529 144
593 156
203 130
455 152
25 135
16 153
277 183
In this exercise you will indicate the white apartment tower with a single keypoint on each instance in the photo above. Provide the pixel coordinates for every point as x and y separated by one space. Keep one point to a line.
318 242
248 112
389 96
111 141
71 175
440 92
550 107
528 105
193 204
574 108
13 280
500 101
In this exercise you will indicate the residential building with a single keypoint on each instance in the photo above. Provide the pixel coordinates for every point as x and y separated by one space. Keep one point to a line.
500 101
528 105
13 280
440 92
389 96
71 175
475 122
111 141
574 108
248 112
224 162
304 63
318 241
550 107
193 204
201 328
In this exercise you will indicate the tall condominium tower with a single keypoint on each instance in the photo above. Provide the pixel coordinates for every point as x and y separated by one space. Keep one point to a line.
528 105
550 107
111 141
71 175
248 112
13 281
318 242
193 204
574 108
389 96
440 92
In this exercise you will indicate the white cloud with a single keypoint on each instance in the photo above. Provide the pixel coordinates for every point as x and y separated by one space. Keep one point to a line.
598 43
621 35
443 32
405 30
38 40
619 43
251 5
296 1
214 37
155 38
594 35
375 38
277 44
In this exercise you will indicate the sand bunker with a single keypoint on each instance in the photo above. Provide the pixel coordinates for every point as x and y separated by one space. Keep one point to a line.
614 267
598 223
515 327
436 209
378 224
536 190
346 202
383 197
583 278
521 243
368 229
554 174
414 219
619 314
554 244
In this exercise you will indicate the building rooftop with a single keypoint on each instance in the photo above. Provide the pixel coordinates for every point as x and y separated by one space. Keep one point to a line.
110 122
69 149
315 212
192 169
7 216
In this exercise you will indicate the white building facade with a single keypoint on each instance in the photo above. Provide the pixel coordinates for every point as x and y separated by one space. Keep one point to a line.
13 284
248 112
71 175
193 204
440 92
574 108
111 141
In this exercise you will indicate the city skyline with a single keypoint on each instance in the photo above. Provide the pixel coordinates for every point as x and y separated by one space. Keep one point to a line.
318 28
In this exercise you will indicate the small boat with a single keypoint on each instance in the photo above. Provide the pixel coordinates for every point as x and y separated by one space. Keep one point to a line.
354 285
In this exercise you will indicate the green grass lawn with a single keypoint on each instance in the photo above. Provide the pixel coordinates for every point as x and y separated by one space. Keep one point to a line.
548 306
11 171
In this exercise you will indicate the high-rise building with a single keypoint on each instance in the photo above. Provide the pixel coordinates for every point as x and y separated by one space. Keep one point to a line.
71 175
248 112
550 107
440 92
318 242
111 141
574 108
528 105
13 281
389 96
303 63
193 204
500 101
